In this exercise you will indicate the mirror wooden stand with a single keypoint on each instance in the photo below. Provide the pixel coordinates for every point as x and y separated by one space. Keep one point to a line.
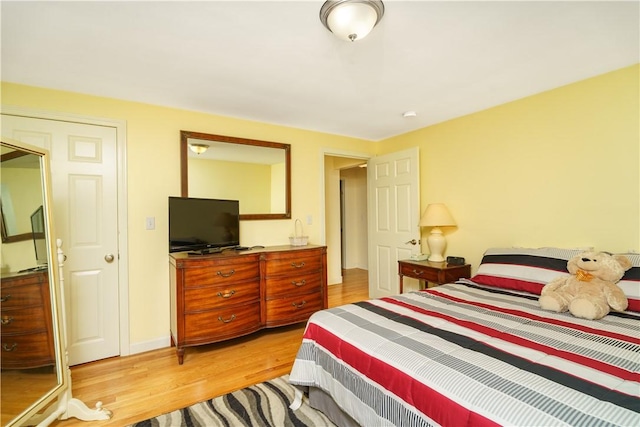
32 354
34 360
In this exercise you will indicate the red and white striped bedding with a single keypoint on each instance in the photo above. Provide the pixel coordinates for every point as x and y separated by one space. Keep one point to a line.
467 354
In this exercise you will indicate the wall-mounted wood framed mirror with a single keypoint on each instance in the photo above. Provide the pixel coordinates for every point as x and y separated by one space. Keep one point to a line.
255 172
33 360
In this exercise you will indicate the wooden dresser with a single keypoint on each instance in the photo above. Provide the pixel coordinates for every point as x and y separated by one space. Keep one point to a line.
222 296
27 322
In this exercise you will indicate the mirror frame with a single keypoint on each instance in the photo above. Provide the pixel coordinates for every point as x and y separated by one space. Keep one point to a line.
54 287
184 167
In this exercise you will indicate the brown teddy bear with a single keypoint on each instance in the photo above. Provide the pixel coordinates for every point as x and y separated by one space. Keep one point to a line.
591 289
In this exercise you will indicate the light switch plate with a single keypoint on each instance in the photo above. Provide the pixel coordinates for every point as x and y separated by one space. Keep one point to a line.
150 223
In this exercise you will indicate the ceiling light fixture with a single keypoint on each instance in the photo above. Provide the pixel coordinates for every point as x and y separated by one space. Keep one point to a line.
351 19
408 114
198 148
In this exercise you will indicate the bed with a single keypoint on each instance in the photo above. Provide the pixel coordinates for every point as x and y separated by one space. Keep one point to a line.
478 352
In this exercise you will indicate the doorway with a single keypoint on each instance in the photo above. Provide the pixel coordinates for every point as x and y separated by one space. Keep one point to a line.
345 212
353 217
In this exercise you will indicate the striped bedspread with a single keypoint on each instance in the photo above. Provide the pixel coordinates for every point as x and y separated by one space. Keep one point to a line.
464 354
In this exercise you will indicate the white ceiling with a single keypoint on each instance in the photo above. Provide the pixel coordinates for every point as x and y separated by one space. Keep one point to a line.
274 62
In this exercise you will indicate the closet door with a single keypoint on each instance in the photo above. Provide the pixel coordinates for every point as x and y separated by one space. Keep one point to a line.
85 203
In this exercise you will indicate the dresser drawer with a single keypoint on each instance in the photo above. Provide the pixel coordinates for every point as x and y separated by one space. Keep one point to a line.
20 296
20 321
209 297
221 274
217 297
293 263
28 350
295 284
283 311
216 325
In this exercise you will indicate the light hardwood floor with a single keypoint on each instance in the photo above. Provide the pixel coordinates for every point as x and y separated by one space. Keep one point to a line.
144 385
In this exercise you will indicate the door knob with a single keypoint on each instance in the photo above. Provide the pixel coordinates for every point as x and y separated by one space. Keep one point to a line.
412 241
109 258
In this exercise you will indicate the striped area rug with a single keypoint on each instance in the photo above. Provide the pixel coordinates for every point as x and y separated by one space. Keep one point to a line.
264 404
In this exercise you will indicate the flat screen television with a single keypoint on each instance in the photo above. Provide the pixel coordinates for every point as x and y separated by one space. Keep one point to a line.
197 224
39 237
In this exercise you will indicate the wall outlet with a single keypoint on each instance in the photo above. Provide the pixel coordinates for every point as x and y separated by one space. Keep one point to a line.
309 219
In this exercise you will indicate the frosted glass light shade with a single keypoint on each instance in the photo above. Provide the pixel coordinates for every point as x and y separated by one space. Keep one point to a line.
198 148
351 19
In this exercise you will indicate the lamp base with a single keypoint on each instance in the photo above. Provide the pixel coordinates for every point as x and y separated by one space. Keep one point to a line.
436 258
437 243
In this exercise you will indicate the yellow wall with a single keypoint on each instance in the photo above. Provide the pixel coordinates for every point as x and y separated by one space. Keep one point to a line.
561 168
22 195
153 132
250 183
277 191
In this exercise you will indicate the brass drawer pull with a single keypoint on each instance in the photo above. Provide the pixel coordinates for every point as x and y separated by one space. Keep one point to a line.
6 320
417 272
229 274
298 265
299 305
5 299
232 318
5 347
300 283
227 294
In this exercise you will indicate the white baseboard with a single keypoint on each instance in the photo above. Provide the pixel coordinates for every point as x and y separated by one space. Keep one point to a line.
141 347
334 280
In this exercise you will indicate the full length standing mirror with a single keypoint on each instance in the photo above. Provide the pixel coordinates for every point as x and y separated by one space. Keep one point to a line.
255 172
32 356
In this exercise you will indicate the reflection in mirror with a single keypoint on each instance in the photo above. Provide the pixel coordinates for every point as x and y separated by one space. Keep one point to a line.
19 170
30 349
255 172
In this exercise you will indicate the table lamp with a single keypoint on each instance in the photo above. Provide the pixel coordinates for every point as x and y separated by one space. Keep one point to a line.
436 215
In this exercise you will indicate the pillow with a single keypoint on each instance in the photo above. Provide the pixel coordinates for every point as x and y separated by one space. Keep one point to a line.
523 269
630 282
529 269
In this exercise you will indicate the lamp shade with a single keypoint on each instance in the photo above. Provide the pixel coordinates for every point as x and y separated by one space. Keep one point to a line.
351 19
437 215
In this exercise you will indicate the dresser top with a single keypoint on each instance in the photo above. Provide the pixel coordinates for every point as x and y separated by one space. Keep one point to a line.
229 253
23 274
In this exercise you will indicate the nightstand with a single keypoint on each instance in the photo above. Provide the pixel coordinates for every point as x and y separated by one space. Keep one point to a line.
435 272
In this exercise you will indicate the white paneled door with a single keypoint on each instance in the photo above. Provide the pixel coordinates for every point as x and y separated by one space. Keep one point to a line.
85 195
394 212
